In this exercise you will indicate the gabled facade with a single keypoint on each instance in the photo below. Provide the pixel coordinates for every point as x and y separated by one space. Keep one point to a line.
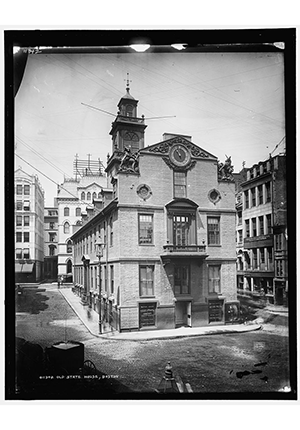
168 228
29 228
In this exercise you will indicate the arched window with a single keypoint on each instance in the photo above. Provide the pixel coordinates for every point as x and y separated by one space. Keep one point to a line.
52 250
78 212
94 196
66 211
66 228
83 195
99 195
69 246
69 266
131 141
129 110
88 196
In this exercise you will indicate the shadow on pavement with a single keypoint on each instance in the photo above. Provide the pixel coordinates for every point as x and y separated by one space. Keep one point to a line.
30 300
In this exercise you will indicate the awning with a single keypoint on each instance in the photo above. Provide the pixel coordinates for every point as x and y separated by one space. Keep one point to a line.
18 267
27 268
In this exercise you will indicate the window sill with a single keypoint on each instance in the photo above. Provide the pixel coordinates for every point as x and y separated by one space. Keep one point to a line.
215 246
146 244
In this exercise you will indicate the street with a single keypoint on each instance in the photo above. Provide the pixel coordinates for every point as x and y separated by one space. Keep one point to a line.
254 362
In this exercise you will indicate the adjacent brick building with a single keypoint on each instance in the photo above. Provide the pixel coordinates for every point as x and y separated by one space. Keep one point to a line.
167 224
262 230
29 228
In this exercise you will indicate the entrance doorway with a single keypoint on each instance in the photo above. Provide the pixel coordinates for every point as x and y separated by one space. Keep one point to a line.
183 315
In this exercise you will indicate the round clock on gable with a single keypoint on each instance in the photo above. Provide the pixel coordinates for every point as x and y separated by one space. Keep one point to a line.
180 155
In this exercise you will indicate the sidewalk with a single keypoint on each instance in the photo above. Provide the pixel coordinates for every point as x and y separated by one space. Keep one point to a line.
90 319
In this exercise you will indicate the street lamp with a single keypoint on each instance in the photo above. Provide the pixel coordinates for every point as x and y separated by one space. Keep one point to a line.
99 253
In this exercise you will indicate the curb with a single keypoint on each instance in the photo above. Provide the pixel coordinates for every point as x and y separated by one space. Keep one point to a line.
110 336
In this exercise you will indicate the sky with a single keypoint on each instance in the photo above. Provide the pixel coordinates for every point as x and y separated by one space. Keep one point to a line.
232 104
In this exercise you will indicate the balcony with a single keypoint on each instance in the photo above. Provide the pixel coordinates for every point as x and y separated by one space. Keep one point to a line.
183 251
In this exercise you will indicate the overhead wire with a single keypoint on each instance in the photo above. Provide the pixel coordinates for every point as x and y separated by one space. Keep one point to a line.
59 185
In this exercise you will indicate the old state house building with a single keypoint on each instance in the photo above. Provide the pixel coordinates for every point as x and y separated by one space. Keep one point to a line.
166 224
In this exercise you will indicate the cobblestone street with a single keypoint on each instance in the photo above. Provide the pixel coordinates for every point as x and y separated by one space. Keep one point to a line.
254 362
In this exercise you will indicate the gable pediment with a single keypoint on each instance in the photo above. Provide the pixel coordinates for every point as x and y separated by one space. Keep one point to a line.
164 147
90 187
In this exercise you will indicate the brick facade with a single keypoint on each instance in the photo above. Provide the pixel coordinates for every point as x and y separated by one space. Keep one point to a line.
165 273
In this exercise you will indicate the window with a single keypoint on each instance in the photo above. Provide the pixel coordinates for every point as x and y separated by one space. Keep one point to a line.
26 205
239 215
83 195
145 229
254 231
261 225
66 211
278 242
52 237
253 196
262 255
94 195
78 212
26 253
26 190
51 225
111 231
18 253
131 141
268 192
51 250
19 236
129 110
270 256
19 205
269 224
254 258
260 195
69 246
279 268
247 228
181 225
26 236
19 189
88 196
246 195
66 228
146 280
112 279
214 282
105 278
179 184
18 220
182 279
213 229
99 195
240 236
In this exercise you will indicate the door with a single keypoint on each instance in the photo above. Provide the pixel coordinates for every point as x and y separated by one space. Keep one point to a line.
183 314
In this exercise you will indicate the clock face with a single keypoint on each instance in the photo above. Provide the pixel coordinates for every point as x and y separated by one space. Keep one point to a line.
180 155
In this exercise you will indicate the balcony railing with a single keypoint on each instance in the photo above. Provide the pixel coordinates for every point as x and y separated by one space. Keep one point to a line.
185 248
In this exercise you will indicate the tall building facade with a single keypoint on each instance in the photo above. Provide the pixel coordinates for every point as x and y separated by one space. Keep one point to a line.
262 230
50 242
29 228
75 199
167 228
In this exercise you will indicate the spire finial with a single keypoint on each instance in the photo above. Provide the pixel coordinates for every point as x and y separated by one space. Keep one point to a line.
127 82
